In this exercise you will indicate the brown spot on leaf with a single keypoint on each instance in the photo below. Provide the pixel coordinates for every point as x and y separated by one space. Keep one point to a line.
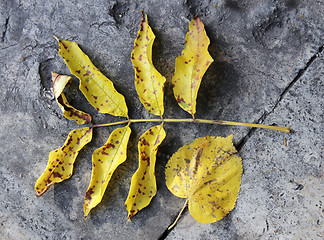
137 69
88 193
144 142
147 159
57 175
87 73
180 99
109 145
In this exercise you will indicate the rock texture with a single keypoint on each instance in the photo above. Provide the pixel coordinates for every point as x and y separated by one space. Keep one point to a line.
268 69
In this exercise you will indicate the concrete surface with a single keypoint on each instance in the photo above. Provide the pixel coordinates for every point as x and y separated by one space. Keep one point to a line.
268 69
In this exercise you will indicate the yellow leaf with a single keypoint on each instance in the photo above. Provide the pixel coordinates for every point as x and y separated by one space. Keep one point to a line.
143 185
208 173
105 160
59 82
149 82
60 163
191 66
97 88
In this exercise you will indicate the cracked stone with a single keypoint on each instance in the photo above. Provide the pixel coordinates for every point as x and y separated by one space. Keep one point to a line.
268 68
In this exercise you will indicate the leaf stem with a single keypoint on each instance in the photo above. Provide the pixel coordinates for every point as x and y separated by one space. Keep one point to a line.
219 122
179 215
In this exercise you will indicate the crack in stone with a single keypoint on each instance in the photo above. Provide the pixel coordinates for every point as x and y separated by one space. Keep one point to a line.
281 96
4 32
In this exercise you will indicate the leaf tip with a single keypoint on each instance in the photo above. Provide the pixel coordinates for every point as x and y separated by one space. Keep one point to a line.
144 16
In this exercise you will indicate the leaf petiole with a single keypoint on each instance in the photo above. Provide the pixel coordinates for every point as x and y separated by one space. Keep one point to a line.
179 215
218 122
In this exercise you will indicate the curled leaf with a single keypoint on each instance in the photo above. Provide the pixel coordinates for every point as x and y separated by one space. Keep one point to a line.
149 82
105 160
98 89
59 82
60 163
143 185
208 173
191 66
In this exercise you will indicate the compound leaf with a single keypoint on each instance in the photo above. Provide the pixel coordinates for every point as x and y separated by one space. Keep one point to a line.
97 88
60 163
105 160
191 66
143 185
149 82
208 174
59 82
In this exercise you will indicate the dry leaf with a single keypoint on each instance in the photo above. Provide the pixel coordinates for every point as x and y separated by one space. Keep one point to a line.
191 66
208 174
59 83
60 163
143 185
149 82
105 160
97 88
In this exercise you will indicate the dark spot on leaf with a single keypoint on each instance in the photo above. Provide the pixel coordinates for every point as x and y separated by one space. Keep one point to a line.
87 73
144 142
88 194
180 99
57 175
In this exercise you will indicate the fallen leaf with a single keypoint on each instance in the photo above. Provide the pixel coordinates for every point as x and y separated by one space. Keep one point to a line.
60 163
98 89
208 174
105 160
59 83
143 185
149 82
191 66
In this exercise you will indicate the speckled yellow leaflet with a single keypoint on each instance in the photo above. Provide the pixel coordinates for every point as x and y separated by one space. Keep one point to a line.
71 113
60 163
97 88
149 82
143 185
105 160
208 174
191 66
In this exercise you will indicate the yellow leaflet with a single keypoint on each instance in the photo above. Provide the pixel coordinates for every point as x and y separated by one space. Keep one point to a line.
60 163
97 88
191 66
105 160
149 82
59 82
143 185
208 174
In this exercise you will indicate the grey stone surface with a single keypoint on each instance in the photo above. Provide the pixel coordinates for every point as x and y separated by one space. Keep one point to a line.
268 69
